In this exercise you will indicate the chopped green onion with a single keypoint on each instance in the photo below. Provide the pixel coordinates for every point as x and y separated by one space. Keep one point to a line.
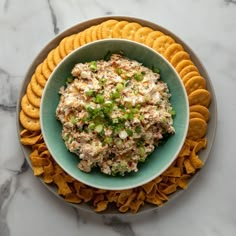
108 140
66 138
99 128
99 99
115 95
127 82
119 71
89 109
71 140
142 159
138 129
130 116
138 76
138 106
119 87
129 132
70 79
140 142
126 116
115 121
102 81
73 120
93 66
142 151
92 126
90 93
134 110
141 117
172 112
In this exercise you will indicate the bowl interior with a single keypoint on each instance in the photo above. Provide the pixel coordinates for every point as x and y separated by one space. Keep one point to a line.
162 156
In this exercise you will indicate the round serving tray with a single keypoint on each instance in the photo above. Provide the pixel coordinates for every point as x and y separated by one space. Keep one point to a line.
204 154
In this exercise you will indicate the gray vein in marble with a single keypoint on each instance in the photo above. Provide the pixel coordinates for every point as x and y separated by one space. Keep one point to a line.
24 167
122 228
10 108
230 1
5 193
6 5
8 91
53 16
79 219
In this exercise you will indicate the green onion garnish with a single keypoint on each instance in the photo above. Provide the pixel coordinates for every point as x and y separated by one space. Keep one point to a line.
70 79
129 132
90 93
138 129
138 76
99 128
119 71
99 99
93 66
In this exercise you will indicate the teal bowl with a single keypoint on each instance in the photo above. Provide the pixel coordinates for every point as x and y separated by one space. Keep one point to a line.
159 160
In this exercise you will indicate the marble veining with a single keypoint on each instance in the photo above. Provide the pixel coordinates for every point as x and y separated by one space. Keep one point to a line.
207 208
54 17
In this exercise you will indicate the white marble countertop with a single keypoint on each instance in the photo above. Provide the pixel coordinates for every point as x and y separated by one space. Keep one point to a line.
207 208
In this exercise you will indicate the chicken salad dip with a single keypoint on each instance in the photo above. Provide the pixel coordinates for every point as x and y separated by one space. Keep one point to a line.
114 113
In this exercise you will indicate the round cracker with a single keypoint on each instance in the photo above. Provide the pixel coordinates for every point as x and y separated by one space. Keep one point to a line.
152 37
129 30
162 43
197 128
32 97
189 76
172 50
117 30
50 61
61 48
200 96
76 43
28 122
88 34
195 83
45 70
178 57
36 87
195 114
82 40
69 44
141 34
56 56
187 69
181 65
107 28
202 110
28 108
94 33
39 76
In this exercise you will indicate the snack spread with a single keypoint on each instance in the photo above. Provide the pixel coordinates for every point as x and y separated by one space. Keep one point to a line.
156 191
114 113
